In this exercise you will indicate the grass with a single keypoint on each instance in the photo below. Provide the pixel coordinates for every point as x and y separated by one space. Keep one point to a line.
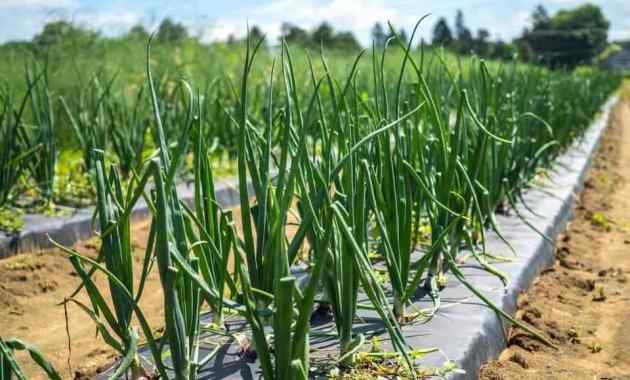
393 156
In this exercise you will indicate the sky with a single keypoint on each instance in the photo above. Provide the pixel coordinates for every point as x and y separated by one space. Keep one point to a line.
217 19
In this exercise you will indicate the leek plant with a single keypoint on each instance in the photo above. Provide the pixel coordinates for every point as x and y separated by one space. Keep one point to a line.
212 222
265 269
269 295
9 366
363 162
338 182
395 203
113 322
88 118
42 133
11 166
447 168
128 126
265 245
170 242
182 298
14 158
218 105
178 274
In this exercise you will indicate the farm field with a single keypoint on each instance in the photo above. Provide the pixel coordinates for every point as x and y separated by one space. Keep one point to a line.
36 282
582 302
377 174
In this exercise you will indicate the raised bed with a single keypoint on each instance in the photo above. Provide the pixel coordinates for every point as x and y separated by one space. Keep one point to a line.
67 230
464 330
481 334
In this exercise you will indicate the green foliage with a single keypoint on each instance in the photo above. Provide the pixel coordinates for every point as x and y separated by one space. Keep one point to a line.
379 37
609 51
42 133
63 33
565 40
16 148
323 35
442 35
138 32
463 42
462 33
113 322
9 366
343 160
87 118
600 220
170 31
11 219
569 38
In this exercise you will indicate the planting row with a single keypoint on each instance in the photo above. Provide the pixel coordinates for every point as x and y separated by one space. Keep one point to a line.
48 138
402 168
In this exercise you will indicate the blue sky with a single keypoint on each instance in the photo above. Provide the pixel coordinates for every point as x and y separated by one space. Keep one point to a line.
216 19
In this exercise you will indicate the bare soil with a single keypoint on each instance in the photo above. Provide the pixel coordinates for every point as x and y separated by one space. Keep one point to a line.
583 302
32 286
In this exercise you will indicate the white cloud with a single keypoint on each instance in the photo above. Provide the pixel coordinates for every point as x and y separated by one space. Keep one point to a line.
220 31
564 2
21 19
111 22
621 33
358 16
34 4
509 30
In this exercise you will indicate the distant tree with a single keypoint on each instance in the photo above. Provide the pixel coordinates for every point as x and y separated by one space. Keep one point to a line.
461 31
483 34
58 32
481 43
345 41
256 34
587 16
465 43
540 18
442 35
378 35
293 34
138 32
503 51
569 38
402 35
323 34
170 31
422 44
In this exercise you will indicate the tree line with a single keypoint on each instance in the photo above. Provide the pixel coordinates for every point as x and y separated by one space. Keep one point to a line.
567 39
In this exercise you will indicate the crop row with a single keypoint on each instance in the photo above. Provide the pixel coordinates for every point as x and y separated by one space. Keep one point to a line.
401 161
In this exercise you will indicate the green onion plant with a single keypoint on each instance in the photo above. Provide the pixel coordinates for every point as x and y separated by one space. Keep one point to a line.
9 366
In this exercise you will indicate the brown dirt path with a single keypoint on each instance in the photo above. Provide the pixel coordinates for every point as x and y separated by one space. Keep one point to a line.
583 302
